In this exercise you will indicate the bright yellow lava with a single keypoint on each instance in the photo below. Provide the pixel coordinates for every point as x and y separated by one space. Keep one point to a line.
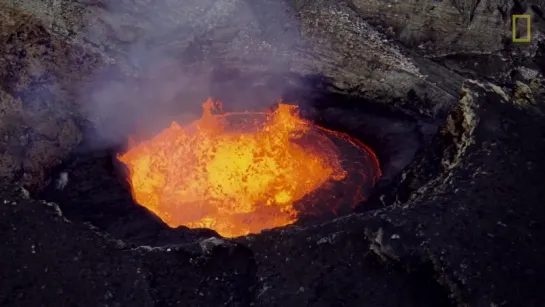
233 180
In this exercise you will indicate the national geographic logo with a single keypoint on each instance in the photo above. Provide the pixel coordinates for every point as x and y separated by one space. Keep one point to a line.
521 28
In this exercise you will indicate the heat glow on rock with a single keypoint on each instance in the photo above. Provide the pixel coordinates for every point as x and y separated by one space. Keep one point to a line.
236 173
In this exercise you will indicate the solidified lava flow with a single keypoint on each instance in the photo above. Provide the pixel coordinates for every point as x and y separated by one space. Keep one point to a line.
236 173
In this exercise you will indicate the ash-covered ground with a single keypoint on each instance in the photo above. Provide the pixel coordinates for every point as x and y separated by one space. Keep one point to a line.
458 221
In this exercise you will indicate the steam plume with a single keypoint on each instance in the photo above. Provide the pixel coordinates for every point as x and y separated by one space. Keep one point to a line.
170 55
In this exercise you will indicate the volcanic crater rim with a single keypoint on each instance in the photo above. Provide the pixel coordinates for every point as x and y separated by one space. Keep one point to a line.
121 219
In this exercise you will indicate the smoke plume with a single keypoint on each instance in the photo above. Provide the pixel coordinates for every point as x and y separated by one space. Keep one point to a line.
168 56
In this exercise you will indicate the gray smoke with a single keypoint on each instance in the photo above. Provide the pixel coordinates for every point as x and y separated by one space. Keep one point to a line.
170 55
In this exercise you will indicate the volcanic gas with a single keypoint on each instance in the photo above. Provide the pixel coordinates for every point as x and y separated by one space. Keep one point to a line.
236 173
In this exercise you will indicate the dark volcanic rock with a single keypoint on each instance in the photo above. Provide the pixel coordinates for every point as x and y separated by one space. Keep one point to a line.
335 265
474 199
45 257
50 261
461 225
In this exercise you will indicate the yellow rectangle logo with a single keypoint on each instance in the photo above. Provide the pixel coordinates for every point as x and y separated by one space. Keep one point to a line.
525 39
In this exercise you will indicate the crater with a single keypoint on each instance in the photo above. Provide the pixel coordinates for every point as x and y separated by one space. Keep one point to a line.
374 142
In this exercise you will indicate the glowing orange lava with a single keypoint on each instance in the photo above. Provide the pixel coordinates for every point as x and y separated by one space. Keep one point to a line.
236 173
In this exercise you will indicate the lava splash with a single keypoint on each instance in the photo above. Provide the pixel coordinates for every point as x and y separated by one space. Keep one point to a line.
236 173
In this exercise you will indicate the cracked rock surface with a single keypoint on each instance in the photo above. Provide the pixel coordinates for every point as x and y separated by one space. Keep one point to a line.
461 225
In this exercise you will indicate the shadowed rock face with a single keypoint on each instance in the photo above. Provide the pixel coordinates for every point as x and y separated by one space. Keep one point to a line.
471 200
463 219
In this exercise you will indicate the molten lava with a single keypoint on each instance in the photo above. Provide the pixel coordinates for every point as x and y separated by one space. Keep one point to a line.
236 173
